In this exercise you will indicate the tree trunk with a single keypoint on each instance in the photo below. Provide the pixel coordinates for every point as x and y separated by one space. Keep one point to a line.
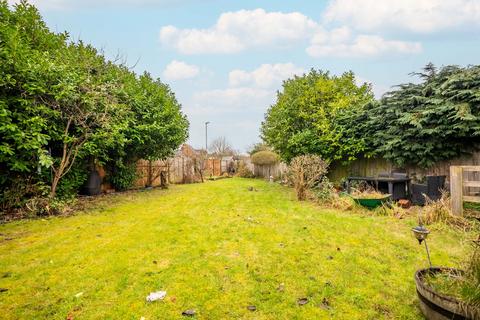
53 188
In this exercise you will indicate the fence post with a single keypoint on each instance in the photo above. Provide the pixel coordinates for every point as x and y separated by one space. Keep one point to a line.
456 189
149 174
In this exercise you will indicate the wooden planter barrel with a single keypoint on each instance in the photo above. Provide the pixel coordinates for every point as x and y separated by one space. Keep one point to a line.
436 306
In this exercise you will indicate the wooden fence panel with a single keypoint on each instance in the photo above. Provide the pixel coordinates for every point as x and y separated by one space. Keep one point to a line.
374 166
277 171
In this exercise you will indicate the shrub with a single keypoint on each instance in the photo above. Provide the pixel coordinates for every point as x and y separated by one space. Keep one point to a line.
72 182
305 172
326 195
18 190
265 158
64 103
123 176
244 172
46 206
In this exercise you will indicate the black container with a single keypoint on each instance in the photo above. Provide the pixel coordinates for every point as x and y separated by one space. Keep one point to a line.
93 185
432 189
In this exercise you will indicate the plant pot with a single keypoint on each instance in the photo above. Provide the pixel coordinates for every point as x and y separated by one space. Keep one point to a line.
437 306
372 203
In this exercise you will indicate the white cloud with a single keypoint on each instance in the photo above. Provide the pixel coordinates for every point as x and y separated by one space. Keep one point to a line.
422 16
178 70
231 100
265 76
340 43
237 31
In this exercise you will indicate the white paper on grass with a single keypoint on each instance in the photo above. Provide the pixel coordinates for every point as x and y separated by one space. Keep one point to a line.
158 295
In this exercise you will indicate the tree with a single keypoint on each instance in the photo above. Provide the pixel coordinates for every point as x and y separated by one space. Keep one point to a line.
303 119
305 172
220 147
421 124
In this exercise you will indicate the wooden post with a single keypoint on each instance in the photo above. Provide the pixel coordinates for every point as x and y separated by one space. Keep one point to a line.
149 174
456 189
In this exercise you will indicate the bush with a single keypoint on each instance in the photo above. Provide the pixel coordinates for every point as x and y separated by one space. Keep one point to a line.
18 191
72 182
45 206
305 172
123 176
326 195
244 172
64 103
265 158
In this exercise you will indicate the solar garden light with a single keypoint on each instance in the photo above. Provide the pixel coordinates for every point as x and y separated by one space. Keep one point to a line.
421 233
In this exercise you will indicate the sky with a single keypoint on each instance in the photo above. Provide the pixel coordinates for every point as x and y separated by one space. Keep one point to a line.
226 60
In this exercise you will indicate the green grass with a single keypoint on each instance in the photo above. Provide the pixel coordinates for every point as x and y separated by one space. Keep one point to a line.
217 248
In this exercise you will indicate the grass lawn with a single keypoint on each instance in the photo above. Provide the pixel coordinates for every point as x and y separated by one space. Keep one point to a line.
217 248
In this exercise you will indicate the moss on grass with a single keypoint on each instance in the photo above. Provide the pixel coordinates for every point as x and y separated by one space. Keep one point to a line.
217 248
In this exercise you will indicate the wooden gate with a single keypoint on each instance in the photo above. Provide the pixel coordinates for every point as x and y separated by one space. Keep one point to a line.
464 186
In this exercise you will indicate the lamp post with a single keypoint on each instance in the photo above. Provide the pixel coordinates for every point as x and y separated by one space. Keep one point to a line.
206 136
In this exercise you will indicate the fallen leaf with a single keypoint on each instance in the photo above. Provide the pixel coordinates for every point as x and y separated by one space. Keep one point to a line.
188 313
302 301
325 304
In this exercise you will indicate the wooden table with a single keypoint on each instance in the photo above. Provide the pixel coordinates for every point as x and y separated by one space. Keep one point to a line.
389 180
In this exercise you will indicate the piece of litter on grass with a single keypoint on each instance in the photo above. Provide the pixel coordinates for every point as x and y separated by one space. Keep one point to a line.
188 313
78 295
252 308
302 301
158 295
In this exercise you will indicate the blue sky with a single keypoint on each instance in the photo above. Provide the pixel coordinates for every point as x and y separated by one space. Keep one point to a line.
225 60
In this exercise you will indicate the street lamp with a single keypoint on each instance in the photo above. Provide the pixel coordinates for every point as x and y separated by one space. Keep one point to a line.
206 136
